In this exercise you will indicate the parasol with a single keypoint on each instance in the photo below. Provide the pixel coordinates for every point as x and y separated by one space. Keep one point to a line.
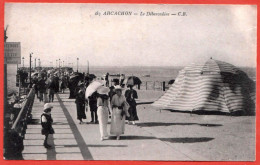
171 82
92 88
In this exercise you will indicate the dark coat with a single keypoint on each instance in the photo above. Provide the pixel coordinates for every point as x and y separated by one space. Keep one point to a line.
47 126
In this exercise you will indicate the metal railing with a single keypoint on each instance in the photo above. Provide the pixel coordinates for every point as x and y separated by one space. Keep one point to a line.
155 85
15 136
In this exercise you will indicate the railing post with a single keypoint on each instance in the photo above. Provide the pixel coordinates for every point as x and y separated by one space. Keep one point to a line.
163 85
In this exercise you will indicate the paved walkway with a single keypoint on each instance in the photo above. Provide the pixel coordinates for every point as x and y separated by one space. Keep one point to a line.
73 141
159 135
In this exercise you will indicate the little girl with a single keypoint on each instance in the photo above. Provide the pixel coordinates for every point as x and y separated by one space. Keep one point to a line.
46 122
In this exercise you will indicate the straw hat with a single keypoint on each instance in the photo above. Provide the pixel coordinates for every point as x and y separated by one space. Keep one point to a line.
103 90
47 106
118 87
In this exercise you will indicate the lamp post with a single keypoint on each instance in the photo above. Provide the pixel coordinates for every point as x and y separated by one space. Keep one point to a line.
30 78
23 62
35 63
59 65
77 64
88 66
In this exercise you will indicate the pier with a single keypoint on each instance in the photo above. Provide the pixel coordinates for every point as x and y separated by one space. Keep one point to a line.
158 135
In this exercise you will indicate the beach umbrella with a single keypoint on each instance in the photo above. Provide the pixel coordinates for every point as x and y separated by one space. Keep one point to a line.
171 82
132 80
93 87
213 86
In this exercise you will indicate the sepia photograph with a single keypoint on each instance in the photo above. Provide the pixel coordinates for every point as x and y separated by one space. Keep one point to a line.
142 82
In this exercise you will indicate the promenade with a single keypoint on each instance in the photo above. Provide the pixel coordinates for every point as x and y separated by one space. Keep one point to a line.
159 135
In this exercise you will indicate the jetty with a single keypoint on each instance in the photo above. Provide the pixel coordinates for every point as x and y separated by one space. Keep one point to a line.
158 135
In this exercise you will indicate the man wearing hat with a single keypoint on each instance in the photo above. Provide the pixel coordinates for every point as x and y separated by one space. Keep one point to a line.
46 122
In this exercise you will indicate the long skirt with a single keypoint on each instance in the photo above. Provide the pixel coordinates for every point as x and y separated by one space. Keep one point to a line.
102 113
80 111
117 122
133 114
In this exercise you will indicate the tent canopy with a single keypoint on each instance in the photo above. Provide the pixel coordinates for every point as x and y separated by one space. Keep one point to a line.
213 86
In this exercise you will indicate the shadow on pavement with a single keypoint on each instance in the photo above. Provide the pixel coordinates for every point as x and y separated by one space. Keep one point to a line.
187 140
154 124
133 137
107 145
34 122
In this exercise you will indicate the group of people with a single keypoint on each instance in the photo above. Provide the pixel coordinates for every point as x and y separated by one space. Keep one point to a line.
46 85
103 104
119 81
108 103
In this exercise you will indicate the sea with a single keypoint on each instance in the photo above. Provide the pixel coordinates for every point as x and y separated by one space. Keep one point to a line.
145 73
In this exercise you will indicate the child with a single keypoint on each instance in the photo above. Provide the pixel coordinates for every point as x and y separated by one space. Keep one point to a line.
46 122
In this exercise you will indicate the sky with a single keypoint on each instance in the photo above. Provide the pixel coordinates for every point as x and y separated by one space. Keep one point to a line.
70 31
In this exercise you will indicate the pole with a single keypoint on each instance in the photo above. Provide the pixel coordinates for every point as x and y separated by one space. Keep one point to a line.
59 65
163 85
88 66
23 62
19 91
35 63
77 65
30 78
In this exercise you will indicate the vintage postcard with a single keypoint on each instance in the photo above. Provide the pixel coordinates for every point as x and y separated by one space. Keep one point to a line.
146 82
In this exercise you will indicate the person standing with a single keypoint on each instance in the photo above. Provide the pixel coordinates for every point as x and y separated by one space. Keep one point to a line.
122 78
51 88
102 111
63 84
46 122
41 87
119 111
56 80
131 95
111 93
80 103
107 79
35 82
92 101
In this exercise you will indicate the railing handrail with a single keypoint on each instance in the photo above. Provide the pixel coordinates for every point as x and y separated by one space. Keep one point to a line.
22 109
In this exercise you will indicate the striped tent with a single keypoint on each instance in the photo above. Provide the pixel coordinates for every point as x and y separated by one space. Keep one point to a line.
213 86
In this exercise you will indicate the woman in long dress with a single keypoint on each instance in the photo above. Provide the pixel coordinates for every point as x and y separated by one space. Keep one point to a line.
119 111
102 111
131 95
80 104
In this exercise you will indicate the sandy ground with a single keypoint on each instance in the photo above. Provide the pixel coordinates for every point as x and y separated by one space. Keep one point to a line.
213 137
158 135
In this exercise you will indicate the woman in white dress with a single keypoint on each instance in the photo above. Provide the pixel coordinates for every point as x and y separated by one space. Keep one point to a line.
102 111
119 111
